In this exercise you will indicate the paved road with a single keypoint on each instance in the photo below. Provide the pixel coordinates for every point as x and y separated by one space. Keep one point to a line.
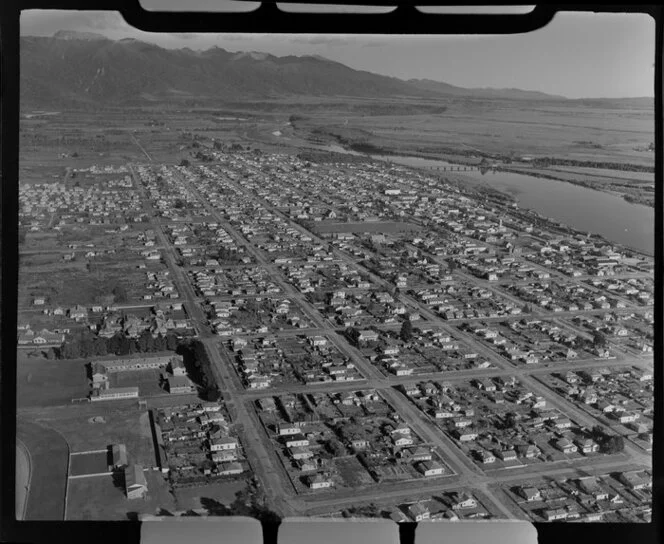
141 147
264 461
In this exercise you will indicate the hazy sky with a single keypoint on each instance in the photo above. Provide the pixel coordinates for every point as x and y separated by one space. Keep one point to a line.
576 55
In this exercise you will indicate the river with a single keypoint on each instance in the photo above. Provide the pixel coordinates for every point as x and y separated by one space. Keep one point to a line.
587 210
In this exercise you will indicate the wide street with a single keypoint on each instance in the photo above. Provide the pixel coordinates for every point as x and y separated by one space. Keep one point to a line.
258 449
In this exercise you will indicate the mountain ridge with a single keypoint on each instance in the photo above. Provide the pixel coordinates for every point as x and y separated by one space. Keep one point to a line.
76 66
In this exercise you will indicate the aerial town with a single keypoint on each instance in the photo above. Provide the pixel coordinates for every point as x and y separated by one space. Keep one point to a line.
326 338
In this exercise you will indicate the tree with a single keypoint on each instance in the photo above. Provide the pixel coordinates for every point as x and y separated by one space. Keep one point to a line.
87 345
406 333
160 343
614 444
353 334
171 342
510 420
114 343
145 342
597 433
599 340
336 448
120 293
124 346
71 349
99 346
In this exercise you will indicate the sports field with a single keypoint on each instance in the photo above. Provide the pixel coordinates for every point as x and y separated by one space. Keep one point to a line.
49 457
103 498
42 382
123 425
88 463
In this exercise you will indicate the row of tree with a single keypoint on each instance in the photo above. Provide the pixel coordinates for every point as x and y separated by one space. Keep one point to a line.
608 443
86 344
199 368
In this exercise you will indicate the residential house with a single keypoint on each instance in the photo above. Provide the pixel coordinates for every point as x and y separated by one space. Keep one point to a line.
430 468
531 494
418 512
319 481
566 446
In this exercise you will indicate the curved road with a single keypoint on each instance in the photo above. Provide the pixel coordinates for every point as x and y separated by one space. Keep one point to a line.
23 477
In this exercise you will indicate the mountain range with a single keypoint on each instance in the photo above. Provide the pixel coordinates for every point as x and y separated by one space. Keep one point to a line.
73 67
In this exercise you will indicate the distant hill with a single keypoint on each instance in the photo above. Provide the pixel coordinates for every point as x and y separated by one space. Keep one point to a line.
74 67
487 92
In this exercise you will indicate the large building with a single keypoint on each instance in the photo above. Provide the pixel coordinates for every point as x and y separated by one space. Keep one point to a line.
115 393
119 452
122 364
180 384
136 486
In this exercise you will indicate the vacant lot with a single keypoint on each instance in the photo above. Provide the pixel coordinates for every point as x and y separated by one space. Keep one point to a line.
352 472
387 227
41 382
68 284
125 424
49 457
103 498
88 463
190 497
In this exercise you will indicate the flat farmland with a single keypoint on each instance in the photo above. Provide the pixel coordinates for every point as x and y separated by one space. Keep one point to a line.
610 131
103 498
41 382
95 138
89 463
40 258
124 424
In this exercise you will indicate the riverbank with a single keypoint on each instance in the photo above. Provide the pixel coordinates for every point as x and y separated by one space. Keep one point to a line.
588 184
567 206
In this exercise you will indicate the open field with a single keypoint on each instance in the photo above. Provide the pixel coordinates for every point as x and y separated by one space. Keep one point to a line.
607 131
378 226
42 382
103 498
48 464
89 463
123 425
72 283
190 497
